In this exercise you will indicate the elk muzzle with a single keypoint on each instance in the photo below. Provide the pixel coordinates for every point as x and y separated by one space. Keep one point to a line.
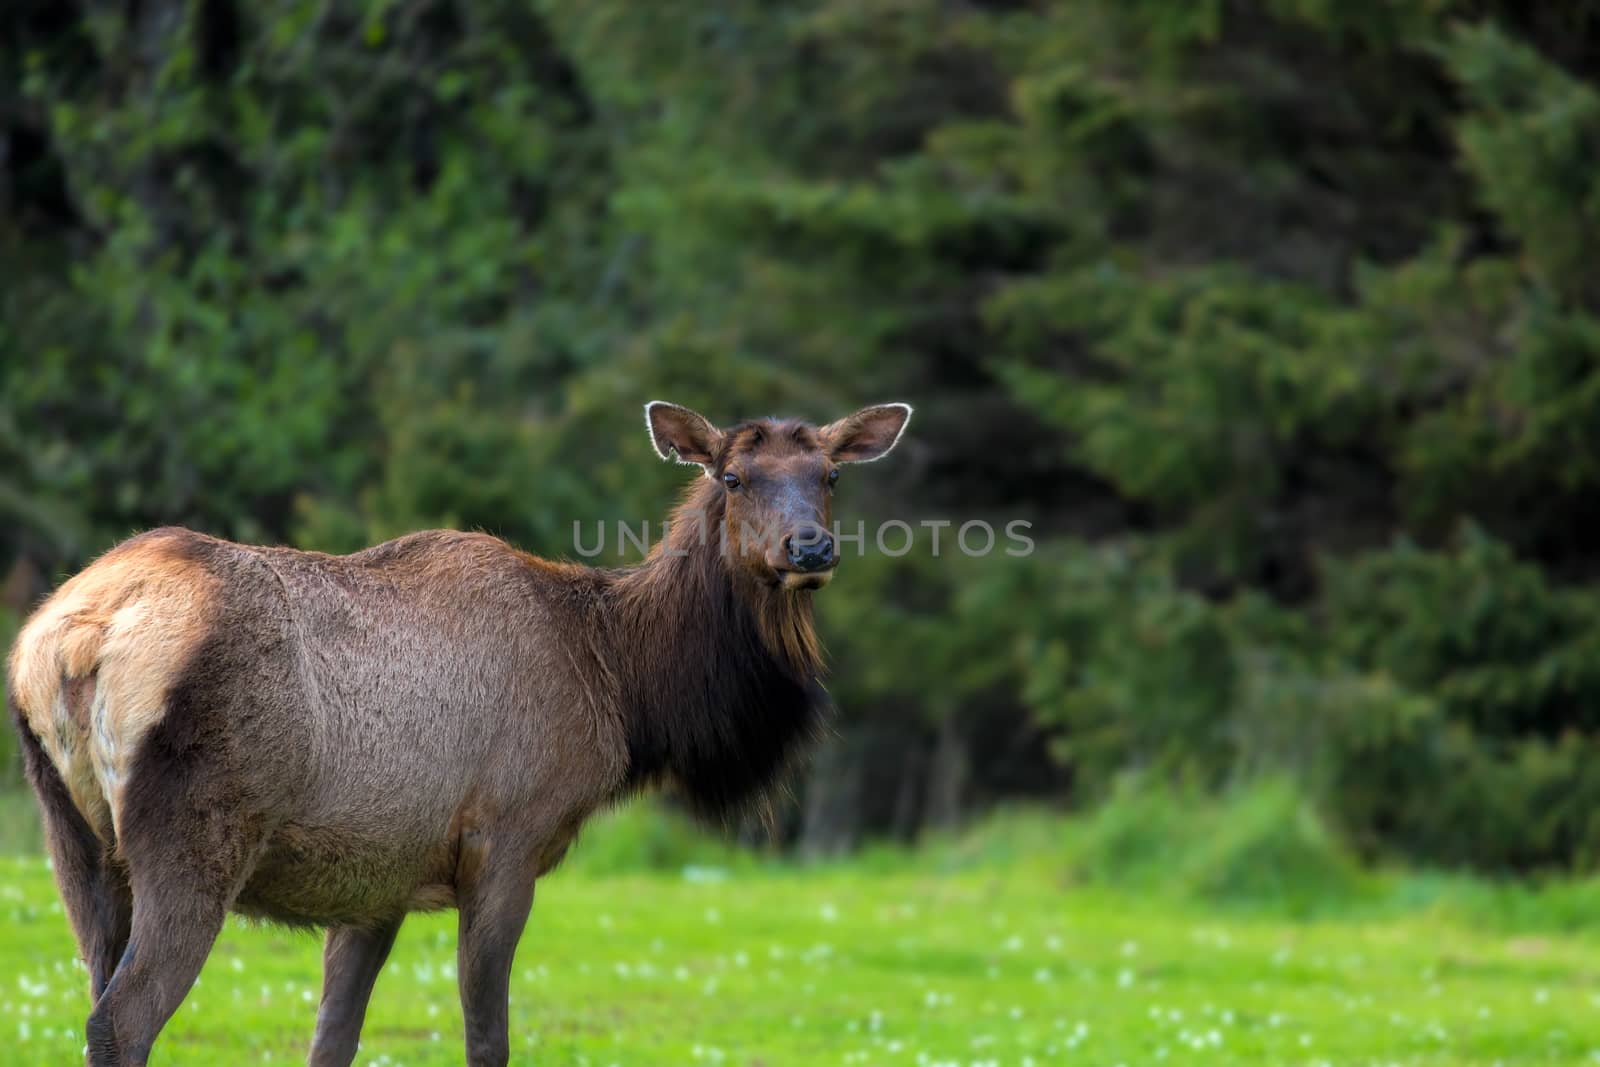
811 557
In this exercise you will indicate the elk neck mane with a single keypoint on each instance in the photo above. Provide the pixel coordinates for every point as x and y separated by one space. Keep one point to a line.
718 675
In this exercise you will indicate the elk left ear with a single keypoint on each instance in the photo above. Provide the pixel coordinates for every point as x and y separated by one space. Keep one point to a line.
677 429
867 435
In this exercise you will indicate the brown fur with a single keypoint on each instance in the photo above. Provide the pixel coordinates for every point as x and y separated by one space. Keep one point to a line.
338 740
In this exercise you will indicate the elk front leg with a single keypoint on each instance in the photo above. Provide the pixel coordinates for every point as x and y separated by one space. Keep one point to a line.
493 900
351 959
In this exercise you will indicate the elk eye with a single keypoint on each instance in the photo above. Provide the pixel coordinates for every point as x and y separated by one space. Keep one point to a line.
833 476
731 480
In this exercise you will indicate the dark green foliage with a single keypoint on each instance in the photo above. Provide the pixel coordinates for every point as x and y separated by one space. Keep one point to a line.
1277 320
1502 769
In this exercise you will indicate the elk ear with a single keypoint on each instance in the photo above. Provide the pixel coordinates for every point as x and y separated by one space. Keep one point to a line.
677 429
867 435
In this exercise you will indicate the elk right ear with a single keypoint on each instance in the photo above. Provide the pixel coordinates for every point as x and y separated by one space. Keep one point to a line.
677 429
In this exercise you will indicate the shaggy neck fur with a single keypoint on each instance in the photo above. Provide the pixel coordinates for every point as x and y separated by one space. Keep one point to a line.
718 672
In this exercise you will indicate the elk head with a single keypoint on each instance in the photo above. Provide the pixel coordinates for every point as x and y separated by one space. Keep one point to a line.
776 480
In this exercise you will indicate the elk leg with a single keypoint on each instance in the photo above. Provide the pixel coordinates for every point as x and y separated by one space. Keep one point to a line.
493 904
93 889
174 926
114 921
187 852
352 956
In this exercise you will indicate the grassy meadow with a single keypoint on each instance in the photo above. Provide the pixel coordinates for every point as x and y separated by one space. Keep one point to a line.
1029 941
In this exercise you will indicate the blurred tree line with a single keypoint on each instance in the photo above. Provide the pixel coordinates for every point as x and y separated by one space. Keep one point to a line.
1279 320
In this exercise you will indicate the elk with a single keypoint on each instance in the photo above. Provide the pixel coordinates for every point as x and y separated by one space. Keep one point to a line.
336 741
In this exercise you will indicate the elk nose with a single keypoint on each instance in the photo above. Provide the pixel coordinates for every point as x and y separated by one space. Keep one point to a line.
811 549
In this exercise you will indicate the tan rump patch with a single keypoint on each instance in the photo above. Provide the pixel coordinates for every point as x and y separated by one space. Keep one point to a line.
91 668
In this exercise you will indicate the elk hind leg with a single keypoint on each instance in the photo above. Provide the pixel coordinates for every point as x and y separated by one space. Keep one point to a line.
174 926
188 848
94 890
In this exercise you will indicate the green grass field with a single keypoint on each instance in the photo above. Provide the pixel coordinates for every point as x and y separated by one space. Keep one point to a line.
882 962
